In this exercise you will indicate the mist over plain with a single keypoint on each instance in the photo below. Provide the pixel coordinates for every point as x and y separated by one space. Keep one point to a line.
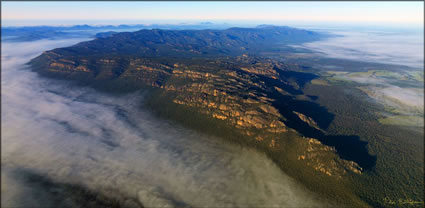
58 138
374 45
389 46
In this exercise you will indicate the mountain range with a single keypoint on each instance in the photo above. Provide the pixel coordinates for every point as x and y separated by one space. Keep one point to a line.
219 79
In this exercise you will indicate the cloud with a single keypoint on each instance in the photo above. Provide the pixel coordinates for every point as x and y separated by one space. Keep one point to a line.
399 48
406 100
108 144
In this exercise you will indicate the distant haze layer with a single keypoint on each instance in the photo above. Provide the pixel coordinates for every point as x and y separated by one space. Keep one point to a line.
396 46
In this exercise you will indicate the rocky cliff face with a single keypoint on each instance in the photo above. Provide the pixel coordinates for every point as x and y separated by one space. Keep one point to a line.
238 90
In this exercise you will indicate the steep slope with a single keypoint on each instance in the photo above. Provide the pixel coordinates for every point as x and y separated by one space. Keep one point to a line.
207 74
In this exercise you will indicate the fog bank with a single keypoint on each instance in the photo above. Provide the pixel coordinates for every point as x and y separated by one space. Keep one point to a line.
391 47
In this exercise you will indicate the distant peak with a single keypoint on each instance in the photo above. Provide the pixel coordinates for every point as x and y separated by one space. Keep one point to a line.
266 26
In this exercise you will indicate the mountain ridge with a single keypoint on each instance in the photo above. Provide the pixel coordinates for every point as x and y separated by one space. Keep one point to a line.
219 76
158 42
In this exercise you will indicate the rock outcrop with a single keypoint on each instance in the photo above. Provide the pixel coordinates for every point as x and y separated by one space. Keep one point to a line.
239 90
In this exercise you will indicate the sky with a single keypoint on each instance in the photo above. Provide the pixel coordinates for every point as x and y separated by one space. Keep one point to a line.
149 12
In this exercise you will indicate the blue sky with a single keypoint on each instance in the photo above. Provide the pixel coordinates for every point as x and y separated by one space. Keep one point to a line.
149 12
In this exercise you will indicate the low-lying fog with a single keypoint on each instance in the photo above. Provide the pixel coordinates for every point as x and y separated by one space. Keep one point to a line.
373 45
108 145
390 94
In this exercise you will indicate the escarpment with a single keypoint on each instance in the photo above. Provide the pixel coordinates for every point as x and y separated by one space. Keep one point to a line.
212 73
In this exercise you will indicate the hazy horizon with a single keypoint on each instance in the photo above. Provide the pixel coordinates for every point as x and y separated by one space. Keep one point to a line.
347 13
57 23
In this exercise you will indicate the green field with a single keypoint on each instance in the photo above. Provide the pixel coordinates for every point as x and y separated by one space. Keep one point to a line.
403 120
